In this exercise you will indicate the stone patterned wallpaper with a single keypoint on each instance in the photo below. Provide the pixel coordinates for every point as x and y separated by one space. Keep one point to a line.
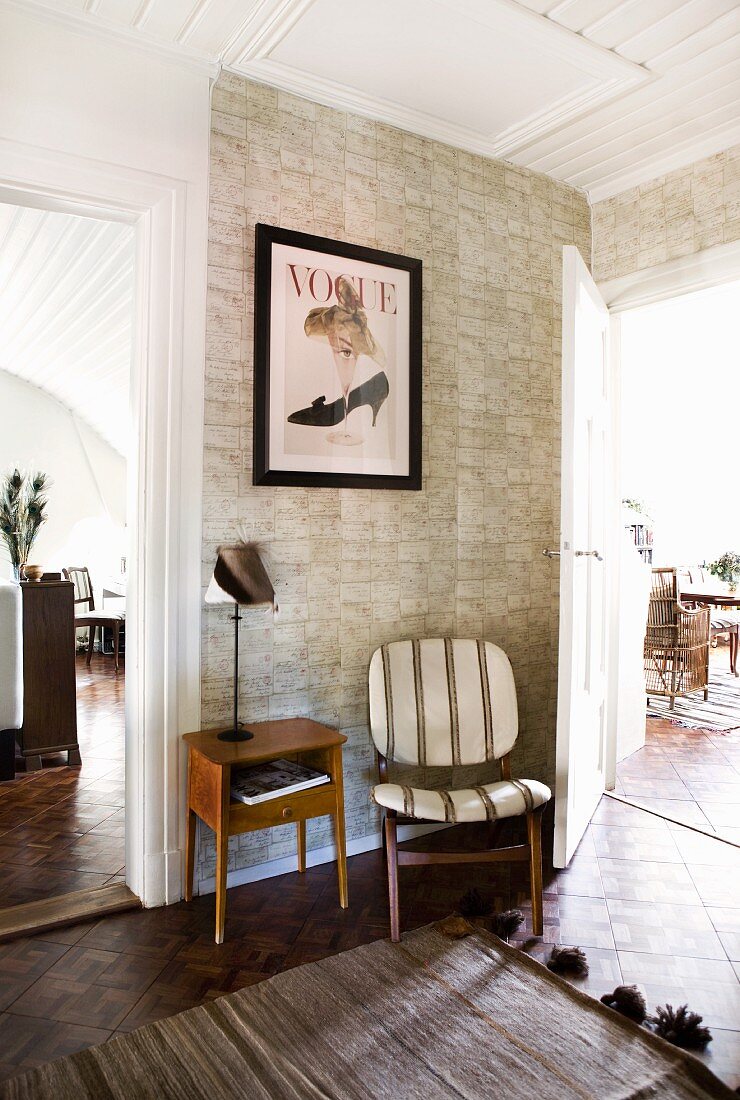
355 568
688 210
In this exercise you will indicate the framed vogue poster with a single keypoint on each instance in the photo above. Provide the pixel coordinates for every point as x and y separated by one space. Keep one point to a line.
337 364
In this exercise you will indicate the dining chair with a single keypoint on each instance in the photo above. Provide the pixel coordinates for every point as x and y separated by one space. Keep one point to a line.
441 703
721 620
89 618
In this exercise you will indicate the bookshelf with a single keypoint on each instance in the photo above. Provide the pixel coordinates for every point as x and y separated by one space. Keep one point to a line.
640 530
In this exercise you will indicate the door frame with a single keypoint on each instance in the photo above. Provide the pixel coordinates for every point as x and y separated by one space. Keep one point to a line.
164 480
683 275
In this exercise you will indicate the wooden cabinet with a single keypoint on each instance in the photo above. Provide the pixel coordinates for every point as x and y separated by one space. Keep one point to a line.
49 685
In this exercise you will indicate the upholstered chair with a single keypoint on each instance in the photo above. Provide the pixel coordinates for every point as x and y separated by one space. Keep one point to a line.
11 674
438 703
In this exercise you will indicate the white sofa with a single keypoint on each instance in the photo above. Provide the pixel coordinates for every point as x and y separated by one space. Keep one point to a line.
11 673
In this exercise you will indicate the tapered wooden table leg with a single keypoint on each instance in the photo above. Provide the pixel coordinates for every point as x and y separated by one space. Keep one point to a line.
534 834
189 855
222 854
301 827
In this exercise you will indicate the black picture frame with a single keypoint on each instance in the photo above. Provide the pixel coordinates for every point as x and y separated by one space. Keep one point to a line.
266 236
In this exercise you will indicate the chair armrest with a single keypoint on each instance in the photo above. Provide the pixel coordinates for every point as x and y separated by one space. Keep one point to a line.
686 610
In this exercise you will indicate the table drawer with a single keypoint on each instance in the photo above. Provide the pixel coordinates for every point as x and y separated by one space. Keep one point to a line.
281 811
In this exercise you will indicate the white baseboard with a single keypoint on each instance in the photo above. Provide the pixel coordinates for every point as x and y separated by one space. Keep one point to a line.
327 854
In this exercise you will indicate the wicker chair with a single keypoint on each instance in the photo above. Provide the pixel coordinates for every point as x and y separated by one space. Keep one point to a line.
676 654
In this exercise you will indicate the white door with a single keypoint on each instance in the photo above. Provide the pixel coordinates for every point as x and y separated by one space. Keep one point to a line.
586 485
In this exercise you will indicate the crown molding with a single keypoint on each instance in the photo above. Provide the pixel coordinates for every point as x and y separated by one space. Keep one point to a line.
683 154
248 53
342 98
96 27
333 94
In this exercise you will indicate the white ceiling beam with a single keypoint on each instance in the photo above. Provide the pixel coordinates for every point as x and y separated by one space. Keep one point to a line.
557 148
706 142
192 22
96 27
263 29
653 129
561 157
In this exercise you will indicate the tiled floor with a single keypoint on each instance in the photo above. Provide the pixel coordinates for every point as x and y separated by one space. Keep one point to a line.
649 902
692 776
62 828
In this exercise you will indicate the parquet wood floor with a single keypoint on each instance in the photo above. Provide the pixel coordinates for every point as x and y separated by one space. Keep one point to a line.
650 902
662 922
62 828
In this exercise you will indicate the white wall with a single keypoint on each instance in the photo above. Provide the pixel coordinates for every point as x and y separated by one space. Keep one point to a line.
679 370
87 496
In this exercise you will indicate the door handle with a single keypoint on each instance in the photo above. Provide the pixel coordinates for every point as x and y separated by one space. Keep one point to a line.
589 554
551 553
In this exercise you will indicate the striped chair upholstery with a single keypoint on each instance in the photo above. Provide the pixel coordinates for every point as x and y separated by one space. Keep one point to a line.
440 702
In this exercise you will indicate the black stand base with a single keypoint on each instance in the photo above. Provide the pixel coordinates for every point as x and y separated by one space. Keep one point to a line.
235 735
7 754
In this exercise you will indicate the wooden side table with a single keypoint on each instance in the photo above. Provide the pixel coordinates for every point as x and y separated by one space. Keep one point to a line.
209 785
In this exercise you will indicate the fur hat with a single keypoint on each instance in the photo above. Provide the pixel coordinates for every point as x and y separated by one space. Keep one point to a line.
346 321
240 576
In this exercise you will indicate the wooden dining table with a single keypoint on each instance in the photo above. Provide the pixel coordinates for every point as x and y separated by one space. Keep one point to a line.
717 594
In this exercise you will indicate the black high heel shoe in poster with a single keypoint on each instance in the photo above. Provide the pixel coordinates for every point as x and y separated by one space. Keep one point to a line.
318 414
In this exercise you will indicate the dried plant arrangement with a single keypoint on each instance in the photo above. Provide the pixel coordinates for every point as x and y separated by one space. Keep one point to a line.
23 503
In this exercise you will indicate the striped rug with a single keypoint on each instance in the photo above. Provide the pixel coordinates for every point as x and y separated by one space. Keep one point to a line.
720 712
428 1018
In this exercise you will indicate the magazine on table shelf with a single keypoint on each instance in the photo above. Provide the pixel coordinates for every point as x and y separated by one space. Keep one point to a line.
271 780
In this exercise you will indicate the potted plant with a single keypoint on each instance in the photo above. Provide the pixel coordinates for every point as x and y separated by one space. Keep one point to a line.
22 512
727 568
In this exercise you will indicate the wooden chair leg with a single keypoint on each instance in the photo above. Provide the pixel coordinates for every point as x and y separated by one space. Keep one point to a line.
90 644
534 835
116 643
391 842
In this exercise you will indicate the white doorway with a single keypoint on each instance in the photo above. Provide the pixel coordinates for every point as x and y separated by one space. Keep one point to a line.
67 304
164 589
711 268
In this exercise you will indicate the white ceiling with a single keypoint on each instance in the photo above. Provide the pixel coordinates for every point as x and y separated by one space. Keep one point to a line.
602 94
66 311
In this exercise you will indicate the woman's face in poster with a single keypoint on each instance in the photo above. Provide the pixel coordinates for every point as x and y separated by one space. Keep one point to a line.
345 358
